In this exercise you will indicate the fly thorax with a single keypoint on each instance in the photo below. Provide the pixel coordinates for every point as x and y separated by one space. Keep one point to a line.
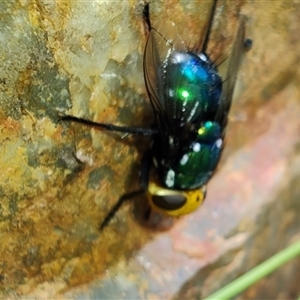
192 86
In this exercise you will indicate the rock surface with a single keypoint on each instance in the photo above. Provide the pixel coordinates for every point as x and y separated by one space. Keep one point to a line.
59 180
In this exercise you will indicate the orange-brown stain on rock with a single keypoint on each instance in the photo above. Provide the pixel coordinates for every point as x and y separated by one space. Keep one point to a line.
67 177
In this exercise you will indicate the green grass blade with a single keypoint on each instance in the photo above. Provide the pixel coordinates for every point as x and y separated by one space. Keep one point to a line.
262 270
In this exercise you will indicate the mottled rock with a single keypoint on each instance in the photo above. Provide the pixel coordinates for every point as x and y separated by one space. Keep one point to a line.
59 180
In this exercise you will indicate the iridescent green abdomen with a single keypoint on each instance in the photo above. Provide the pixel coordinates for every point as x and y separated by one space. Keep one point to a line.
197 163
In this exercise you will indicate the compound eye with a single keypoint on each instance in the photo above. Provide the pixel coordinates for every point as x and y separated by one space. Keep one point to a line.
169 202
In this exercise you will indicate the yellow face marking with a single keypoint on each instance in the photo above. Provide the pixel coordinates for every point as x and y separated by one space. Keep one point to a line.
193 199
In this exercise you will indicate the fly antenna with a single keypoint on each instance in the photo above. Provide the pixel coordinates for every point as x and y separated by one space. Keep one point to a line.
209 26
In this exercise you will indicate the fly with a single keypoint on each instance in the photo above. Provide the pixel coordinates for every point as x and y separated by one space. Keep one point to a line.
190 103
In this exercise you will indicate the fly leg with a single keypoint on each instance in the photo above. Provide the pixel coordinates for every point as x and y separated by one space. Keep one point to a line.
117 206
109 127
144 180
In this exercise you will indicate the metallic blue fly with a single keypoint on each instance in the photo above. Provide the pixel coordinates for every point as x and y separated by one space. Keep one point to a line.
191 105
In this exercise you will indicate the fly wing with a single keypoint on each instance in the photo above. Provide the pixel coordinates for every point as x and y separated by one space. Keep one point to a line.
163 39
156 49
232 71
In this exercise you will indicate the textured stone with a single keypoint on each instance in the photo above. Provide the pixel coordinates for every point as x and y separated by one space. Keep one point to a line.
58 180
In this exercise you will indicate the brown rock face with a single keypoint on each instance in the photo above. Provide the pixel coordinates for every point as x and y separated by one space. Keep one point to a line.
59 180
